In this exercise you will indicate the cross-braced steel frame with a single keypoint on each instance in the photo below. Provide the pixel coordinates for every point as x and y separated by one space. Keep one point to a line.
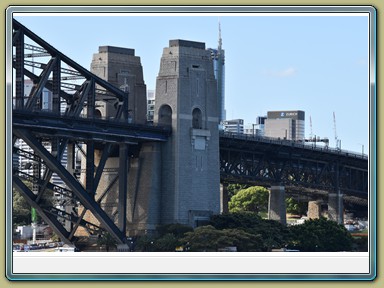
300 167
68 122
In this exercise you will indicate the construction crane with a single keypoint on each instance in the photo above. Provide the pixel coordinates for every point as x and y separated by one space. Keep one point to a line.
337 141
314 139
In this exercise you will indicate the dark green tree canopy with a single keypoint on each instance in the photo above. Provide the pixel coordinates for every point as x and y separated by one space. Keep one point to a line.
208 238
273 233
21 214
321 235
296 207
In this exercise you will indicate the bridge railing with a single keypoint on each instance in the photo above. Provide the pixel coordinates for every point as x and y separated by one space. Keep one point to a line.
293 143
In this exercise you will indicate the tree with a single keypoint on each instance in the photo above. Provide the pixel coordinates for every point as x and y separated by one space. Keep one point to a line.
208 238
273 233
107 240
167 242
253 199
145 243
21 210
296 207
234 188
320 235
178 230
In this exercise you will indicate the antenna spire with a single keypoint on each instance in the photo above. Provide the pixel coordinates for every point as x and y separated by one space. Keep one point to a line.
220 40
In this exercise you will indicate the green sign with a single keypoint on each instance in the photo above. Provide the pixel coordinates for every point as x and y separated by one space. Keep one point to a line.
33 215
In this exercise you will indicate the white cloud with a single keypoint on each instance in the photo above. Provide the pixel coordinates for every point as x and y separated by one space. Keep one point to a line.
288 72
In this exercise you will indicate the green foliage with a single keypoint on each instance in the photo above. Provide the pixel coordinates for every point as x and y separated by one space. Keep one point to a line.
234 188
320 235
178 230
235 220
166 238
208 238
360 243
273 233
145 243
21 210
167 242
107 240
253 199
296 207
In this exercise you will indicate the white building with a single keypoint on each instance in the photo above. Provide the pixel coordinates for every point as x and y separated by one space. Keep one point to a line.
150 105
256 129
234 126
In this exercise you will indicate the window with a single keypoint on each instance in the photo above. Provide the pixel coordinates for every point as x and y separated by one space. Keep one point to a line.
197 122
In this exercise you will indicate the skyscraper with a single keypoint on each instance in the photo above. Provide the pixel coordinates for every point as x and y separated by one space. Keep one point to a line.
218 57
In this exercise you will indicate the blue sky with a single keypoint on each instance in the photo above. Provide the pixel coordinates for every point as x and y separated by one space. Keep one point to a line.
318 64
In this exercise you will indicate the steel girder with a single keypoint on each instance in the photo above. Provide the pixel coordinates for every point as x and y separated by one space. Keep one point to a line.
81 193
262 162
50 127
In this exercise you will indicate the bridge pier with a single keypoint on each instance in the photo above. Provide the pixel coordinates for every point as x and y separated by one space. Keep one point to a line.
336 207
224 198
314 209
276 204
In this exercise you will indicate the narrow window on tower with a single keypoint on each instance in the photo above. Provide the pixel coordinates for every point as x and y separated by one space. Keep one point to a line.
166 86
197 87
197 119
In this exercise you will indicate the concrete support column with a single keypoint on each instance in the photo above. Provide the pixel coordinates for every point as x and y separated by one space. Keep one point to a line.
314 209
224 198
336 207
276 206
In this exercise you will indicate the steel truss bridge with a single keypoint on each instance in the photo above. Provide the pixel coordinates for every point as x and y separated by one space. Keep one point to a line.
49 131
71 121
303 169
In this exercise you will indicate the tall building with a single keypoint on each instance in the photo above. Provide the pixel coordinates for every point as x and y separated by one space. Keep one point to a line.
289 125
234 126
218 57
150 105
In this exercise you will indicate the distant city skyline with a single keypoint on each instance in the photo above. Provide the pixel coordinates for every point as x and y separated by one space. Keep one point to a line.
315 63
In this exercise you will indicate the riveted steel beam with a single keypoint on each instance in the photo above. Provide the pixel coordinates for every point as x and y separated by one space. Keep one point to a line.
87 201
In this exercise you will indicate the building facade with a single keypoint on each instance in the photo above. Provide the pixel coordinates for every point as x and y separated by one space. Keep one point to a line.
234 126
257 129
218 59
150 105
289 125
